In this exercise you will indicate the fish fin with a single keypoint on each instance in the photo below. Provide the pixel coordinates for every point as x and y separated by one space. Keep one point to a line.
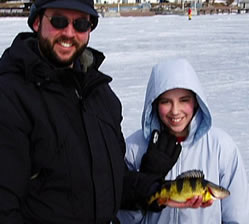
162 201
191 174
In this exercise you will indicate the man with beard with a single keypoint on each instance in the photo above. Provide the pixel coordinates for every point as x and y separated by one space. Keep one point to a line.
61 145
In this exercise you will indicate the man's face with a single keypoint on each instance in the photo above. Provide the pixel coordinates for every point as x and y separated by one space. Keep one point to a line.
61 46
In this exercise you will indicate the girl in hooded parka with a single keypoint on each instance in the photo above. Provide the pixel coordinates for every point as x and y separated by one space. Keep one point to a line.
181 107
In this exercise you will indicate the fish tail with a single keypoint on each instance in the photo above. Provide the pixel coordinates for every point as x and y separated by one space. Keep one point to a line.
161 196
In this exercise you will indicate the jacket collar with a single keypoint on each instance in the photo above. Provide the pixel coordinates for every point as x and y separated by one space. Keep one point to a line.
24 58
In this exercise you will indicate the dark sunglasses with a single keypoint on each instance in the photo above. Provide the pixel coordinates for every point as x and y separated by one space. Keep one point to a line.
61 22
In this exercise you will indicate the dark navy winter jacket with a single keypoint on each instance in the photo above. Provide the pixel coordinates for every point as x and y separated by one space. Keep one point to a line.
61 146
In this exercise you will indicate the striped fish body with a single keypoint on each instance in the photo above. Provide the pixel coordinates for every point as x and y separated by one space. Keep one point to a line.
188 185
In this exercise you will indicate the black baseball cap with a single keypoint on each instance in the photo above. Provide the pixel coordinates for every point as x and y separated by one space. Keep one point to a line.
86 6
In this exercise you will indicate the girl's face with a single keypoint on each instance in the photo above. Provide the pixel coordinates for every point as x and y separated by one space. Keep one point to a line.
176 108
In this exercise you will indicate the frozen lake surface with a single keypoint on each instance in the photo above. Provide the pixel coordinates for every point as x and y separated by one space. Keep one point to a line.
216 45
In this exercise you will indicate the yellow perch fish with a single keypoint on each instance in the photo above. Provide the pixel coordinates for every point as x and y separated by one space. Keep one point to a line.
188 185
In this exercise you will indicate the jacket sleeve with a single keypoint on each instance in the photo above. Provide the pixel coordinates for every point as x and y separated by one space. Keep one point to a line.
128 216
137 189
235 208
138 186
14 162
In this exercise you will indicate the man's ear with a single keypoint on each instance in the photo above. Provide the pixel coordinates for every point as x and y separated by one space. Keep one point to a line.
37 23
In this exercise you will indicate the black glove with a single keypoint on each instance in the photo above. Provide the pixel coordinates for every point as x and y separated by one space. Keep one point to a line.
162 153
138 188
154 206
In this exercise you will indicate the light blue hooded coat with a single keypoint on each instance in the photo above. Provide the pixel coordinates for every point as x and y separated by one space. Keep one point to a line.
206 148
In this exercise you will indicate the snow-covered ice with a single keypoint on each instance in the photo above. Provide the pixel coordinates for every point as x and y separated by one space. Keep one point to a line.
216 45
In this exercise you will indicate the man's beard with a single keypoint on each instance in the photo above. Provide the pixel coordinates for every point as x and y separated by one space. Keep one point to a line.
47 50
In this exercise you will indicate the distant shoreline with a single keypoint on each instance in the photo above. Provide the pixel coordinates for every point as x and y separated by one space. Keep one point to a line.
143 9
